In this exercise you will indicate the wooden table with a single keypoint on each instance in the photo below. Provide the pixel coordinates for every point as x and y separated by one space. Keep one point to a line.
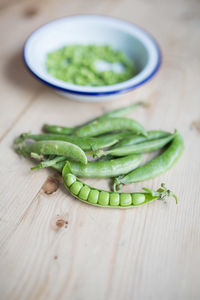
53 246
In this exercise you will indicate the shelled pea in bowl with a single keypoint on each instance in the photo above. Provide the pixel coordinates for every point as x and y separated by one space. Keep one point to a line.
91 58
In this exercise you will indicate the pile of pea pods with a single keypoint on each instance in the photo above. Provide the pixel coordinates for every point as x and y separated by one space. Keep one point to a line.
116 144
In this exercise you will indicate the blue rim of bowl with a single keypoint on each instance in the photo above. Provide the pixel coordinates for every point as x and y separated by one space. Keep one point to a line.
118 91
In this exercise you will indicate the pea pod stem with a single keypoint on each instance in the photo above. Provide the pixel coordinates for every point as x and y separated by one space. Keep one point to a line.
50 162
156 166
103 198
119 112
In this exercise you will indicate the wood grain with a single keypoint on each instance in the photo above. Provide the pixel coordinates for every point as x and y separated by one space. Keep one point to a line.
54 247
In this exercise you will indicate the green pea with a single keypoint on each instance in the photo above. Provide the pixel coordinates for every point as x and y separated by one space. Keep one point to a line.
75 188
125 199
114 199
77 64
138 199
103 198
93 196
70 179
84 192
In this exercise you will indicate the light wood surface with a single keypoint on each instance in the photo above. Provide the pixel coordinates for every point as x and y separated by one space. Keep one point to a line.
53 246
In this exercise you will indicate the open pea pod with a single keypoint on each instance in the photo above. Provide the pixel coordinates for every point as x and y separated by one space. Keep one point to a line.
103 198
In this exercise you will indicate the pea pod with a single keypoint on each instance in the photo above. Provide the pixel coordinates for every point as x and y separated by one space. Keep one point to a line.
69 150
119 112
104 198
135 139
59 163
122 111
58 129
155 167
109 125
148 146
104 169
85 144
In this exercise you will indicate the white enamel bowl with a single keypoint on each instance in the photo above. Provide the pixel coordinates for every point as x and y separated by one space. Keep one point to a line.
92 29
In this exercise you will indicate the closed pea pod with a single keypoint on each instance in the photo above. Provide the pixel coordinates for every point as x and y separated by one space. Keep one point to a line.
109 125
85 144
58 129
51 148
104 169
119 112
147 146
103 198
156 166
98 169
135 139
122 111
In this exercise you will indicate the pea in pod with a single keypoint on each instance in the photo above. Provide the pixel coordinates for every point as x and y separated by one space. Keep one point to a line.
156 166
104 198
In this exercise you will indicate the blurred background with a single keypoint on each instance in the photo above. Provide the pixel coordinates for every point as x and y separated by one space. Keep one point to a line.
174 24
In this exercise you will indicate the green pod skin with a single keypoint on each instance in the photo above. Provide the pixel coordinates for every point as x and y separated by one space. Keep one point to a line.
156 166
56 129
85 144
51 148
135 139
119 112
104 169
109 125
144 147
102 198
